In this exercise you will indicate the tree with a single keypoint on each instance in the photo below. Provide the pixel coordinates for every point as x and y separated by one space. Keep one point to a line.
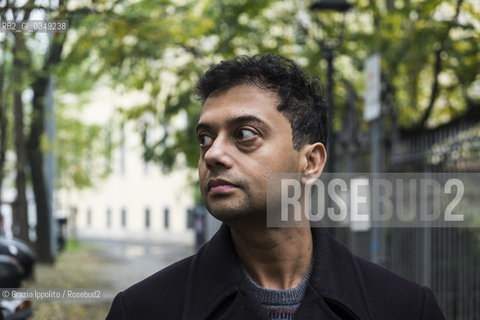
20 207
33 70
83 150
162 49
3 115
429 50
424 46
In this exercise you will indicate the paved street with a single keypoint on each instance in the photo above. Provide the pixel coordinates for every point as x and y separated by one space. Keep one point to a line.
132 261
107 265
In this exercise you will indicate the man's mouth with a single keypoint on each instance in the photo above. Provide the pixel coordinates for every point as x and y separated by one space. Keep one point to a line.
219 186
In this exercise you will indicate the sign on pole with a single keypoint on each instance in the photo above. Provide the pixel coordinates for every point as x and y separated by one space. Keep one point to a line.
373 88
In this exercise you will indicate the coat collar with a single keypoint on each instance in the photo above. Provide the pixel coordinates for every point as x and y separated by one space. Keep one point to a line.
336 275
215 279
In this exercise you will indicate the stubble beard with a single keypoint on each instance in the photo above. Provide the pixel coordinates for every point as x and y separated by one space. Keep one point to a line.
225 208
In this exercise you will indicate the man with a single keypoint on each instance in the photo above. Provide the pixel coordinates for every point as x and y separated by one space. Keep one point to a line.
263 115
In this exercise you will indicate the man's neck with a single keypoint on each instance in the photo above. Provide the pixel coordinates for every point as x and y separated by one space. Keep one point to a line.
275 258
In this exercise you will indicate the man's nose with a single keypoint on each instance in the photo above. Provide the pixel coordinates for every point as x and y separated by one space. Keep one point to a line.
219 153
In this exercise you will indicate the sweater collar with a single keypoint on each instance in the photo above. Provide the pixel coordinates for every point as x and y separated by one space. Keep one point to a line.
216 276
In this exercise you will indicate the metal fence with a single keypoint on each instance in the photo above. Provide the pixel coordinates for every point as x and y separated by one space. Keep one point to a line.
446 260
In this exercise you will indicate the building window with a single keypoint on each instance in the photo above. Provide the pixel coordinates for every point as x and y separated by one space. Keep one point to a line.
122 150
147 218
109 218
89 217
166 218
146 165
109 147
124 217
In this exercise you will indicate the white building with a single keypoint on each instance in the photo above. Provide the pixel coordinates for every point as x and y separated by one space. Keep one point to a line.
136 200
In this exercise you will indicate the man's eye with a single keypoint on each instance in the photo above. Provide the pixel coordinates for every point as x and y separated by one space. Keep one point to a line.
245 134
204 140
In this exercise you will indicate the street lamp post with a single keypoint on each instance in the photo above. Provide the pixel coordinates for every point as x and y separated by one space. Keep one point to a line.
331 133
328 46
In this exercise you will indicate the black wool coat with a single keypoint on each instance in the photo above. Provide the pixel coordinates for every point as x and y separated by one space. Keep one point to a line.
211 285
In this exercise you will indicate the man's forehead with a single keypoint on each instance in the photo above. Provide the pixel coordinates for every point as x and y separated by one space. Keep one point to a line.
240 101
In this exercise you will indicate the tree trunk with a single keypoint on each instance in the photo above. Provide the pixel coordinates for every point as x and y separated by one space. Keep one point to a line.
20 216
390 5
35 154
3 123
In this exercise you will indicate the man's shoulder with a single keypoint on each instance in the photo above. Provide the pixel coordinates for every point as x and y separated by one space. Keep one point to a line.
408 299
369 274
365 288
376 275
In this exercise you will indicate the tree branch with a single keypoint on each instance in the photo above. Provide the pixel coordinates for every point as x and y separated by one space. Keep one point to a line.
434 92
437 68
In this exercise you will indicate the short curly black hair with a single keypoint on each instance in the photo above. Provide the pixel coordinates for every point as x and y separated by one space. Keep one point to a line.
301 101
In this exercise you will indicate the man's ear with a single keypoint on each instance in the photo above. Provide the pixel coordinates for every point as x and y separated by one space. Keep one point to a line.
313 161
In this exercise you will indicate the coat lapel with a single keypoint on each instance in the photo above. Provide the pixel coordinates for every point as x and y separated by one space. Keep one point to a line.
336 276
214 286
245 307
313 306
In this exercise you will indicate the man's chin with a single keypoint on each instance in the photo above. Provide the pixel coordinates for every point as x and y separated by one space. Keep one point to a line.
227 213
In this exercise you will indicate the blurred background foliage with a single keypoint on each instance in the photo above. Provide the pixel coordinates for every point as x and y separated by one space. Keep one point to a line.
430 52
430 63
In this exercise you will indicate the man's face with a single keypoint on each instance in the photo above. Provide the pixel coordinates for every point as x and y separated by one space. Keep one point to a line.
243 137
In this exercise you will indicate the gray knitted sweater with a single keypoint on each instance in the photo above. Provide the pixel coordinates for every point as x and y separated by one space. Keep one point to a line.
280 304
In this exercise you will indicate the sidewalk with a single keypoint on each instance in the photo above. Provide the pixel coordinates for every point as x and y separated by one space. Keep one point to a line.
107 266
151 236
